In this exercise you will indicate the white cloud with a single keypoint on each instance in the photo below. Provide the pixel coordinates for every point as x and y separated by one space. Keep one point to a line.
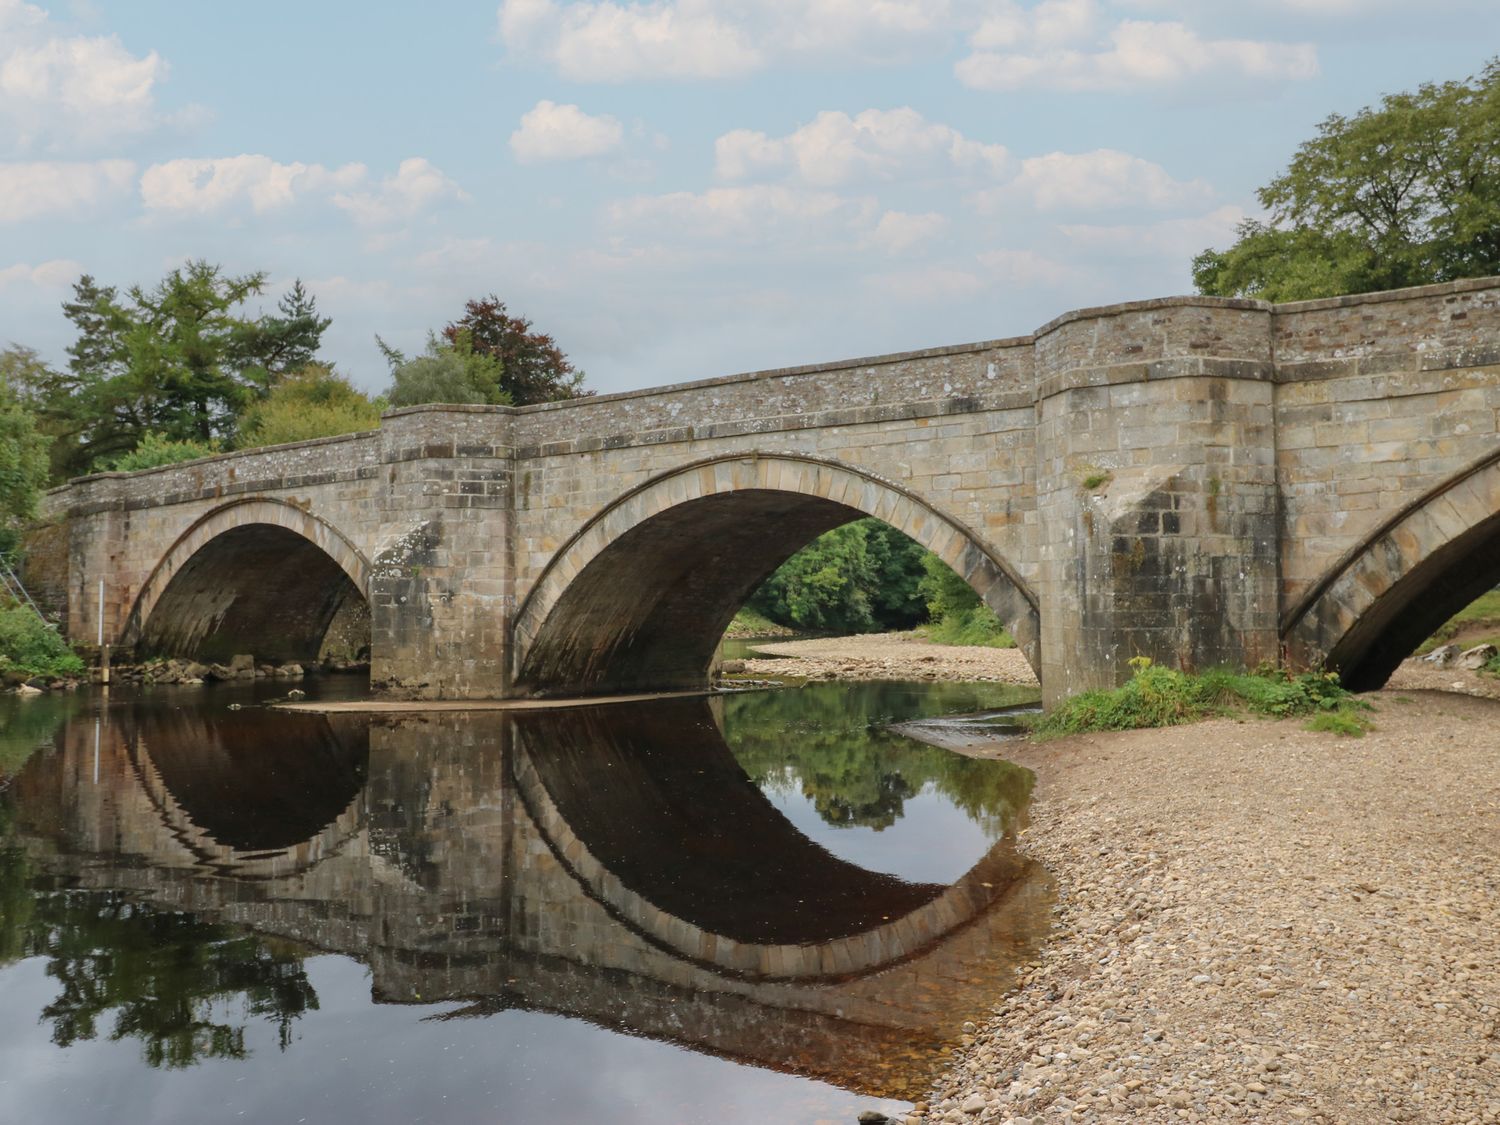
1174 239
1027 268
416 186
623 40
29 191
926 285
56 274
564 132
1071 45
835 148
215 185
754 213
609 42
58 89
1092 181
898 232
203 186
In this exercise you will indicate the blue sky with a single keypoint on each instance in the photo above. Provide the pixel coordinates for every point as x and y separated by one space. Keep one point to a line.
675 189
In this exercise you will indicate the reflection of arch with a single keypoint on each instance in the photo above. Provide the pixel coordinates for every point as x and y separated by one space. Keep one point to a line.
639 597
1388 594
650 812
259 795
219 578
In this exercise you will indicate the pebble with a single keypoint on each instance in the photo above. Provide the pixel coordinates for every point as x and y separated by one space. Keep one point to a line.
1258 923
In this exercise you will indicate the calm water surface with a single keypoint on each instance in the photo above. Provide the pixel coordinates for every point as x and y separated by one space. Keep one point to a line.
762 907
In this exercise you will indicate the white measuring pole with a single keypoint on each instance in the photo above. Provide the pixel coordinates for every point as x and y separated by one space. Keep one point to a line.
101 613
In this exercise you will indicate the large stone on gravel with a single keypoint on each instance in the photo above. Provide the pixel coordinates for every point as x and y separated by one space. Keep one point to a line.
243 666
290 672
218 672
1442 656
1477 657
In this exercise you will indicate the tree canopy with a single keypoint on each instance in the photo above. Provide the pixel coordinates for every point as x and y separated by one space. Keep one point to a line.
1405 193
532 367
311 403
181 360
450 370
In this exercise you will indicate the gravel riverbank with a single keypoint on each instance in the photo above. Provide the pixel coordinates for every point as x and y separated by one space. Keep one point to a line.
888 656
1259 923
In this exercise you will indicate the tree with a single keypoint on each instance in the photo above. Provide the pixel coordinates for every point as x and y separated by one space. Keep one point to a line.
533 368
23 451
1407 193
448 371
311 403
180 360
853 579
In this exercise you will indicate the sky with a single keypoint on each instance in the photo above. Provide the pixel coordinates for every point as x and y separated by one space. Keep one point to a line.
675 189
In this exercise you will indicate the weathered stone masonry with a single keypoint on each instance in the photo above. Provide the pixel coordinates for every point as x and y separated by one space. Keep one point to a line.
1196 480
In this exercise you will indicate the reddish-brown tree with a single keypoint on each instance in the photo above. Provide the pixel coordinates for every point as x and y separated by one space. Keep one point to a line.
534 368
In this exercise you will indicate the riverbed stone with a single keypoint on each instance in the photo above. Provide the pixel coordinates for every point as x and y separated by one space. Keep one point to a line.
1477 657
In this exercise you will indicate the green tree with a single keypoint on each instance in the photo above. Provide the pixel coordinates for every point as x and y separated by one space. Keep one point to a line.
1406 193
314 402
23 456
182 359
448 371
532 367
854 579
156 450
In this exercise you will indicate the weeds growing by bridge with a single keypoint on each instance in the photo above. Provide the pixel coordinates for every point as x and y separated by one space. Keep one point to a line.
1156 696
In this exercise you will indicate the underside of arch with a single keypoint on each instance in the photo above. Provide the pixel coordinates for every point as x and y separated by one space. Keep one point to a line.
263 579
1413 575
639 599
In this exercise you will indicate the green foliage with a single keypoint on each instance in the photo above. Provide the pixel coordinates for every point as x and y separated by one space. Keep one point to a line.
23 448
1406 193
449 371
311 403
1156 696
857 578
748 623
958 616
974 627
181 359
530 366
155 450
28 644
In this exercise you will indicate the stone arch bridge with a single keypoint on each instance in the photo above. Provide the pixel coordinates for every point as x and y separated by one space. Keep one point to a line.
1201 481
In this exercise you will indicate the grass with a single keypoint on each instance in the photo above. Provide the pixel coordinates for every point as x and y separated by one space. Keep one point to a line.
1483 613
1159 697
748 623
977 626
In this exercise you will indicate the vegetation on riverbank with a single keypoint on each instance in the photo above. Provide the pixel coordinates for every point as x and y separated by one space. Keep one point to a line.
1156 696
29 647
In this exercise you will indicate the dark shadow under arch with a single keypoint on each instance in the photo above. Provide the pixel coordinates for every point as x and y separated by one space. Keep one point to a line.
1418 569
638 599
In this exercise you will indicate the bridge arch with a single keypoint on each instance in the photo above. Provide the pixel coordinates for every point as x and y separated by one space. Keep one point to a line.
638 598
1388 594
257 575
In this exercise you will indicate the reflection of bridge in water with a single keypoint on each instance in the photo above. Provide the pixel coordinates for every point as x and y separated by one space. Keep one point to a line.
615 865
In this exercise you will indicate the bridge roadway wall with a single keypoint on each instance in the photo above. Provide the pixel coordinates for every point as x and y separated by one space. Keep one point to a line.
1196 480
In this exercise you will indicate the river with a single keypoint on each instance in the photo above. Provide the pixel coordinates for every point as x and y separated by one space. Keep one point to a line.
761 906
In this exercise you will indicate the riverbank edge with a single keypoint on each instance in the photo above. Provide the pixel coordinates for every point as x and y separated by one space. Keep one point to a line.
1166 992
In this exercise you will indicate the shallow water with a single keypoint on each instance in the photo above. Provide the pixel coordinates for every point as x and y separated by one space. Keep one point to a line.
756 907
